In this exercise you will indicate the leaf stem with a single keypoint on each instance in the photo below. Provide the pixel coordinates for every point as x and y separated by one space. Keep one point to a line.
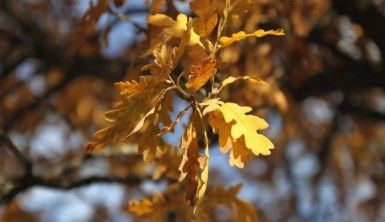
181 93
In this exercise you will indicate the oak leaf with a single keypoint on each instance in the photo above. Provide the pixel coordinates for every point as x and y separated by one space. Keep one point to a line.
236 37
164 60
238 131
167 163
159 207
146 101
174 28
207 18
201 73
218 196
146 206
193 167
231 79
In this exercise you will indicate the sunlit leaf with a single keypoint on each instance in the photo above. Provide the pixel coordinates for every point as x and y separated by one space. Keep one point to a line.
207 18
232 79
236 37
201 73
238 132
174 28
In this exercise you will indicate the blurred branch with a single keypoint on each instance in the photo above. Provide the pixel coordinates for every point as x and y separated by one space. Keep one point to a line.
326 145
362 110
27 108
24 161
57 183
360 75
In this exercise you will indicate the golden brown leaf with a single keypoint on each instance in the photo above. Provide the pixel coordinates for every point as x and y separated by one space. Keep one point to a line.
207 18
174 28
217 196
171 202
194 167
167 163
138 101
161 206
171 126
146 206
201 73
164 59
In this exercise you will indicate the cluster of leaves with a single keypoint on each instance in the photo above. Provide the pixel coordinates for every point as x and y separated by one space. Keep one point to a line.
334 124
162 207
186 63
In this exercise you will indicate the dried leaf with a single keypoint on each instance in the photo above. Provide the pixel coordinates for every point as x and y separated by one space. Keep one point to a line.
161 206
207 18
171 126
232 79
138 101
201 73
146 206
164 60
194 167
167 163
240 210
174 28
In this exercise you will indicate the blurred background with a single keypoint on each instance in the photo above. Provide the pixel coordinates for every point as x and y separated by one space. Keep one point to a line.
325 105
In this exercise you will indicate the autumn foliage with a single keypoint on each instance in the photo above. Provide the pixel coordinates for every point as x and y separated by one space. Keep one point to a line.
252 82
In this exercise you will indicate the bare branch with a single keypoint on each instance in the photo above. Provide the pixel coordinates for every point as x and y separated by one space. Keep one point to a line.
58 183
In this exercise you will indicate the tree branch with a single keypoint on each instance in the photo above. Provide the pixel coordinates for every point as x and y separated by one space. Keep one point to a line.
58 183
24 161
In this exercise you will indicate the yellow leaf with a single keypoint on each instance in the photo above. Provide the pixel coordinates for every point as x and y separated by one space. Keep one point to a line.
211 105
174 28
238 132
207 18
232 79
236 37
261 32
201 73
